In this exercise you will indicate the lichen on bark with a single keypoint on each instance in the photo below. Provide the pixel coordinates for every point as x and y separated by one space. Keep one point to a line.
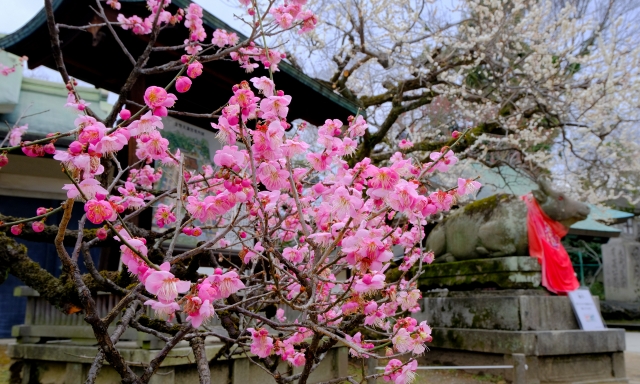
60 292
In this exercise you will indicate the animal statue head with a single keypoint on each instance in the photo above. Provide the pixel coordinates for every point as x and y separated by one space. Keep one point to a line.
559 206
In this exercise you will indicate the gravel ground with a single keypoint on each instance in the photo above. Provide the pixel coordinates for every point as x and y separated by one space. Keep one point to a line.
632 365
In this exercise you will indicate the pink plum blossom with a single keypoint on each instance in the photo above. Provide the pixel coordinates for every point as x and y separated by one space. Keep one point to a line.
164 215
264 84
164 311
357 340
194 69
230 157
369 283
251 256
444 161
99 211
273 176
199 311
262 344
16 134
400 373
404 196
165 285
405 144
468 186
145 125
90 189
73 102
346 202
158 100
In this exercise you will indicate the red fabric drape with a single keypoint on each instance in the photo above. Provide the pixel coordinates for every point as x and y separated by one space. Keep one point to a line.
545 234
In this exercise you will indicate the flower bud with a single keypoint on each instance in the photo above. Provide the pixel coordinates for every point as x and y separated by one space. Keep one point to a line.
76 148
183 84
101 233
4 160
455 134
194 69
37 226
41 211
16 229
125 114
50 149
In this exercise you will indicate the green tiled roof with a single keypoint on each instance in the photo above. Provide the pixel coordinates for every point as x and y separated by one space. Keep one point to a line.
49 98
506 180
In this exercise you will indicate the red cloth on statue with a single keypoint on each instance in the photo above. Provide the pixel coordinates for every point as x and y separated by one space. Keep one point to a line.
545 234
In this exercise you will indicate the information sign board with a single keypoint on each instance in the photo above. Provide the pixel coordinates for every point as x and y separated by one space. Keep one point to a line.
585 310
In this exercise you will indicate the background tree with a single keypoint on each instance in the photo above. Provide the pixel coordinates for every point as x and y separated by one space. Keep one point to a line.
545 86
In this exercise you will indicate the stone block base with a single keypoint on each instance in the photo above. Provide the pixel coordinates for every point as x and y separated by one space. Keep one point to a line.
535 333
513 272
562 369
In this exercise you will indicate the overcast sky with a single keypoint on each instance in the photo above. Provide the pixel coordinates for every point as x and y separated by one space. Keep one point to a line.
16 13
21 11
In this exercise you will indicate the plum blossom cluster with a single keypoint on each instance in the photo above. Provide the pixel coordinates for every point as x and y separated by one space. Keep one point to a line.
307 222
322 218
6 70
289 13
140 26
299 240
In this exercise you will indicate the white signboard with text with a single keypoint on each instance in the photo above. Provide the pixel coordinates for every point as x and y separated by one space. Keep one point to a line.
586 310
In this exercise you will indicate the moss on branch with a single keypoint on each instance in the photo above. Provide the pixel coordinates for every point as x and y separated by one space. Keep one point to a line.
60 292
50 232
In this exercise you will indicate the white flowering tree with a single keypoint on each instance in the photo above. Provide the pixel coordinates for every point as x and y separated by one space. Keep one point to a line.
549 85
299 227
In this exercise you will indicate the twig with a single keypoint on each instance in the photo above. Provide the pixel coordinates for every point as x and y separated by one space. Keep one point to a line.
197 345
78 246
178 207
113 32
155 363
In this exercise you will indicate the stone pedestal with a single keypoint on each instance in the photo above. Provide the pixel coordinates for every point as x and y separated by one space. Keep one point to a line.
530 330
621 267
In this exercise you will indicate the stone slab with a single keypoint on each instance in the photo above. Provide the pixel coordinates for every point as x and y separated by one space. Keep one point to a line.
530 343
606 367
511 313
64 331
514 272
621 267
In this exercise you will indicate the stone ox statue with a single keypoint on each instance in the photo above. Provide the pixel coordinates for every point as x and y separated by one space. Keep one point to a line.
497 225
